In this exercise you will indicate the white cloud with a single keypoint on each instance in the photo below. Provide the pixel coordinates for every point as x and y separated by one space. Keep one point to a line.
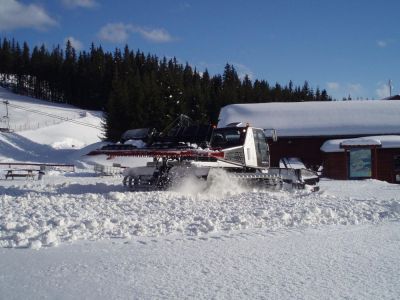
243 70
114 33
74 42
185 5
343 90
354 88
383 90
120 32
154 35
385 43
14 15
333 85
181 7
79 3
382 43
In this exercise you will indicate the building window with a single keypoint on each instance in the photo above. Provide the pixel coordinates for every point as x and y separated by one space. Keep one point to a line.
397 162
360 163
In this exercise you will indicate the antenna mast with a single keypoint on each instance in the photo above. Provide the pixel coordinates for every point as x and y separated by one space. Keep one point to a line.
390 88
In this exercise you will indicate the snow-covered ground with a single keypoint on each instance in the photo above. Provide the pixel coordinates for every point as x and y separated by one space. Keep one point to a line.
339 262
60 210
77 235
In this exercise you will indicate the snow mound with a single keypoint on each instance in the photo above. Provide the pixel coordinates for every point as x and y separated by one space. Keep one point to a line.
39 215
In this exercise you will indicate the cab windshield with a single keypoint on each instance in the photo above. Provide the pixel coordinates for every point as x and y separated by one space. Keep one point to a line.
228 137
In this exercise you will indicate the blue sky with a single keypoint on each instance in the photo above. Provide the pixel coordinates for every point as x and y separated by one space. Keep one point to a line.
343 46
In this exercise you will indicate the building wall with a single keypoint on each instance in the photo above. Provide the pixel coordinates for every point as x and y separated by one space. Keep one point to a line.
395 97
307 149
385 159
335 165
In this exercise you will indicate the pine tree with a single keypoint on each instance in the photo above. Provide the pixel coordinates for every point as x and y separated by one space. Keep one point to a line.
69 72
117 115
215 98
230 86
25 68
55 74
18 67
246 91
5 59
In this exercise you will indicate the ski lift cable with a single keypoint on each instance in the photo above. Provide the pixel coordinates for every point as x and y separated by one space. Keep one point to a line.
54 116
39 112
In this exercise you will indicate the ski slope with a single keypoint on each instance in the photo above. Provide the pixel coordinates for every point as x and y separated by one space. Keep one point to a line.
27 113
47 132
39 128
76 235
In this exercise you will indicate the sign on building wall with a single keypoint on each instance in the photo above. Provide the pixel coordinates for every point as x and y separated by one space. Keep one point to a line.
360 163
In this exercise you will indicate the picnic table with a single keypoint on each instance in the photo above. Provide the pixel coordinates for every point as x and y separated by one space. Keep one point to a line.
24 173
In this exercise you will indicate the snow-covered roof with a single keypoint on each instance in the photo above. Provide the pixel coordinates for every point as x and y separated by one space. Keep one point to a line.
383 141
332 118
361 142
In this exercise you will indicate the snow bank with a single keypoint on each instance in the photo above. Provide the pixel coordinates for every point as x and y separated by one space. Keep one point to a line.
43 215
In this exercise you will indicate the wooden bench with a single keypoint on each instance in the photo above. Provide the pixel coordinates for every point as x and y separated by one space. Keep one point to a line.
24 173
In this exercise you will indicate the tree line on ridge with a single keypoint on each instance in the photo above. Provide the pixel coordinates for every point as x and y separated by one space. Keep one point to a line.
135 89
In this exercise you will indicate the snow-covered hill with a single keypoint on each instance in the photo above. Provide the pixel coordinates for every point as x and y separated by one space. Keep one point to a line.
44 131
29 113
76 235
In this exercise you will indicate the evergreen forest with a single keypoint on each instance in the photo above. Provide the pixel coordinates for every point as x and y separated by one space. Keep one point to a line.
135 89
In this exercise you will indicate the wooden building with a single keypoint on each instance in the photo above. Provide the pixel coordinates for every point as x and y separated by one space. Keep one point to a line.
304 127
375 157
394 97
